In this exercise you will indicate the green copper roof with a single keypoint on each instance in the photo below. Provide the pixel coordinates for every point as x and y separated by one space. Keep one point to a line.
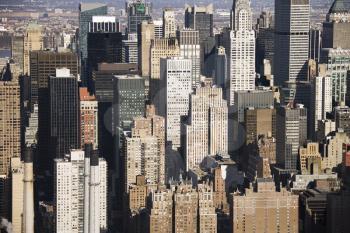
340 6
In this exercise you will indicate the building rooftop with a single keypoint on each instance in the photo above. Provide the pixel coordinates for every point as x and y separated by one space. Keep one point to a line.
340 6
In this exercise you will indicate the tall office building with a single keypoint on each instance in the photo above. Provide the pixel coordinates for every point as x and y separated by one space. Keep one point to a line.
169 23
158 28
176 86
240 50
137 11
200 18
291 123
129 100
273 211
259 122
292 20
86 12
190 49
160 48
264 39
104 80
128 103
220 73
64 113
130 50
70 192
43 64
102 47
337 26
10 138
17 50
206 125
321 102
33 40
342 118
10 124
315 45
88 118
337 64
145 35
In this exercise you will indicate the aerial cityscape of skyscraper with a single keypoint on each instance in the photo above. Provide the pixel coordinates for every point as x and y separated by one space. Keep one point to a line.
149 116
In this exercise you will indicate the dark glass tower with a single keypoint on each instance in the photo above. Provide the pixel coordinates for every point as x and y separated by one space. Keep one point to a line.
64 113
103 47
138 11
43 64
200 19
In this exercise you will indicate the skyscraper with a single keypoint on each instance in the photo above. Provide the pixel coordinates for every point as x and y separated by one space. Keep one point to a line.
292 125
129 100
240 47
315 44
10 124
10 138
145 35
292 19
169 23
190 49
43 64
258 122
128 103
138 11
64 113
337 26
86 12
220 73
17 50
265 40
337 64
200 18
206 125
160 48
176 86
158 28
321 102
102 47
130 50
33 40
